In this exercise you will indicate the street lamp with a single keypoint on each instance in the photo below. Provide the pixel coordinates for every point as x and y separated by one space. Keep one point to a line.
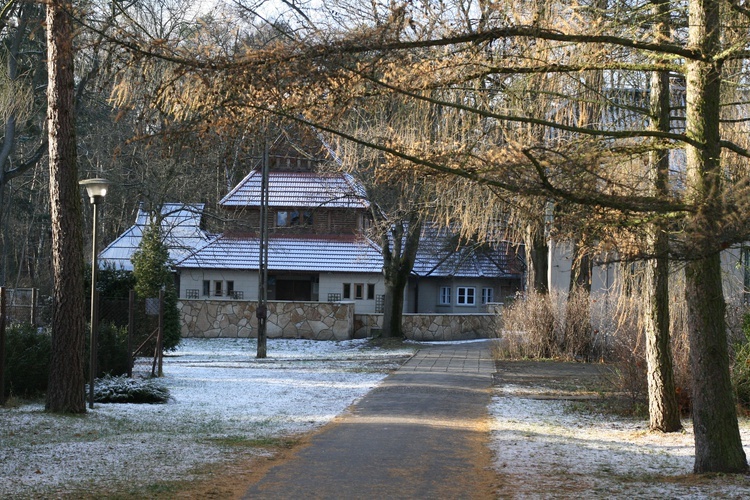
97 190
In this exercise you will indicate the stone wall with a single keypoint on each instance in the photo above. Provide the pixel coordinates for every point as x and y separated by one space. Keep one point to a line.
233 318
432 326
322 321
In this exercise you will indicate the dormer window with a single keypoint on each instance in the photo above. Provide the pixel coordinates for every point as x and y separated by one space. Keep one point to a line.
289 218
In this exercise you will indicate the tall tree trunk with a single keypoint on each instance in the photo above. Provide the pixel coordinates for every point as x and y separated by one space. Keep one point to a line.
398 262
580 268
718 446
537 258
65 391
393 305
663 410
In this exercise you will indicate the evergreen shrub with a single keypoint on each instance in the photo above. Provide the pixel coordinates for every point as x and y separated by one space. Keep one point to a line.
112 350
110 389
27 357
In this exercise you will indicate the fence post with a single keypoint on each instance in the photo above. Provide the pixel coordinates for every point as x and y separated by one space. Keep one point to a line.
2 346
160 337
131 330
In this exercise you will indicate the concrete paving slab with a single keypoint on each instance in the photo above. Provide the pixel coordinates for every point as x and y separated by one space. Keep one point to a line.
420 434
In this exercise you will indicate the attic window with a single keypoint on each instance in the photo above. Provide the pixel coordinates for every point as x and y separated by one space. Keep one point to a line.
288 218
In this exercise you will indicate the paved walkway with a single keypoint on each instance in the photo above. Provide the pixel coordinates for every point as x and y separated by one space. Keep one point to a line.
420 434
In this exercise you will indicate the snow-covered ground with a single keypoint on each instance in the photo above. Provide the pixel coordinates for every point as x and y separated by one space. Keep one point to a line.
546 448
220 393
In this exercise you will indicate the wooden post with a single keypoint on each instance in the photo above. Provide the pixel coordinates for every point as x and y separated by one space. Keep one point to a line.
160 335
2 346
131 330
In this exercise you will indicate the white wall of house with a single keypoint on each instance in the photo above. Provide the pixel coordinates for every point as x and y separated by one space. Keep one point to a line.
245 282
560 263
735 275
371 285
734 267
452 295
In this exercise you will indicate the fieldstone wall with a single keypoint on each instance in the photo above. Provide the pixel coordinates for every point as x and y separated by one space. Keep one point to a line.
432 326
322 321
235 318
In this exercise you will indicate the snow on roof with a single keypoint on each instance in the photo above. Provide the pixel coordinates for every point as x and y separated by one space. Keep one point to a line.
440 255
298 189
182 233
289 253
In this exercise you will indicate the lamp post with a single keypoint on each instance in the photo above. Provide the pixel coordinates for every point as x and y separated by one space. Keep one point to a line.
97 190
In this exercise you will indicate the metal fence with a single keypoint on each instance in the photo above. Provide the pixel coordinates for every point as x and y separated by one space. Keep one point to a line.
24 305
140 317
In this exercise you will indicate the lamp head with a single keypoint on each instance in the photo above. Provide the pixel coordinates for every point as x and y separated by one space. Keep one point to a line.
96 189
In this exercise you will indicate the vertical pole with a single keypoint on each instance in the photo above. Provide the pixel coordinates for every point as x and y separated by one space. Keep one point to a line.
160 335
2 346
262 311
131 329
92 340
34 300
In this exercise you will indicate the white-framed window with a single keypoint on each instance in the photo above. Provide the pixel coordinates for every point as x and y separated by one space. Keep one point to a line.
488 295
445 296
218 288
370 291
206 288
466 296
347 291
359 291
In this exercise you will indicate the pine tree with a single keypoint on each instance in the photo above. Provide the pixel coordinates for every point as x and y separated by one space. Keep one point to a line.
153 273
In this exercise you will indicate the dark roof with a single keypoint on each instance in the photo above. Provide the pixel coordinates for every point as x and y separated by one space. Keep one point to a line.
298 189
442 255
289 253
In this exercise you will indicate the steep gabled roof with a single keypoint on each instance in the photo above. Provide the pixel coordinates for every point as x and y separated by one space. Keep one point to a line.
298 189
181 228
309 253
440 255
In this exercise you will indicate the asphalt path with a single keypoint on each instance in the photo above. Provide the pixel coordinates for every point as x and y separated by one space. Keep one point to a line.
422 433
